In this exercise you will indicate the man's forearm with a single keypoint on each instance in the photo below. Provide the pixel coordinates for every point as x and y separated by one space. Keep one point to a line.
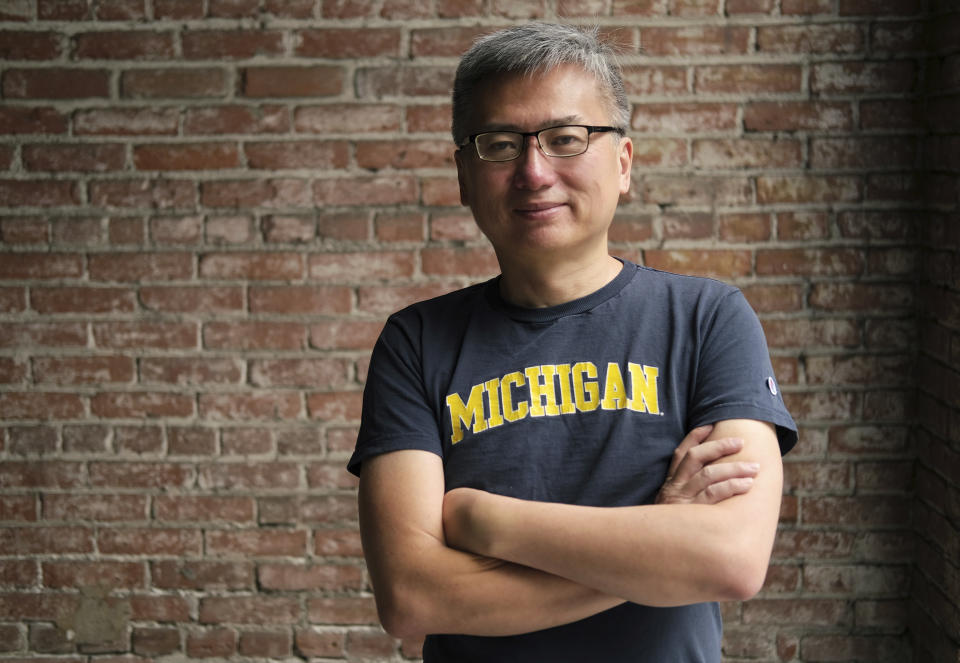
656 555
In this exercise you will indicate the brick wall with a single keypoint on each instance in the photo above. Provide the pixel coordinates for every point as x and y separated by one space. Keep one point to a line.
208 207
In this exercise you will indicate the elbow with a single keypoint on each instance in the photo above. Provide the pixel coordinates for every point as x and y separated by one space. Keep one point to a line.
401 613
743 575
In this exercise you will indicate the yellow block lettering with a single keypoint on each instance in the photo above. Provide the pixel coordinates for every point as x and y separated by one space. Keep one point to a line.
643 388
511 413
586 394
614 392
543 395
461 413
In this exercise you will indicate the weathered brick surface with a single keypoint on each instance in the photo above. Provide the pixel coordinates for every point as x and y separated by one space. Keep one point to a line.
208 209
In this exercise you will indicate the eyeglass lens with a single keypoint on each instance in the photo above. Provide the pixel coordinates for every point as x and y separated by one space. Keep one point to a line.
556 142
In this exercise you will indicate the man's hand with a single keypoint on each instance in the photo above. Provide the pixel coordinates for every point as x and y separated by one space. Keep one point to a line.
697 475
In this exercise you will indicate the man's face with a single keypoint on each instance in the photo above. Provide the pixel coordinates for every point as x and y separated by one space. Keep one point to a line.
536 205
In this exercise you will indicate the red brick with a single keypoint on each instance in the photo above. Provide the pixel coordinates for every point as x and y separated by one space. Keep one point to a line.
370 645
863 153
818 476
317 577
736 7
190 441
32 120
195 156
252 265
863 77
659 153
46 607
177 230
123 45
810 262
141 404
361 266
226 44
82 300
18 573
860 296
808 188
650 80
746 153
24 230
126 122
382 190
335 406
32 45
399 227
76 573
861 511
348 9
449 41
138 439
342 118
155 641
810 612
12 300
33 335
272 193
143 193
322 643
212 643
695 40
256 542
141 335
16 10
234 8
36 405
314 300
39 193
404 154
797 115
734 79
278 81
37 474
195 83
12 371
330 476
341 610
40 266
745 227
297 154
202 574
351 226
140 475
412 81
344 334
95 507
82 370
312 510
190 371
815 38
152 541
247 442
250 406
716 263
337 542
298 372
811 333
249 610
773 298
235 119
254 335
880 7
212 299
45 540
439 191
347 42
56 83
206 508
387 299
266 644
683 117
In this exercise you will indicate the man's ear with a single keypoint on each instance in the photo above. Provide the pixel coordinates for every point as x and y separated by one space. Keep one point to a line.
462 178
625 156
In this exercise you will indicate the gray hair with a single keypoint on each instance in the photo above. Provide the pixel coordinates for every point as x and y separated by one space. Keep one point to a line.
537 47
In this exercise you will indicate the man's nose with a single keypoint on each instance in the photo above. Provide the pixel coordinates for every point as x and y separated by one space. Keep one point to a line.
534 168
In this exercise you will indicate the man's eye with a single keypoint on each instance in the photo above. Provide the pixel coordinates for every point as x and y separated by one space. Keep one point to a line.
502 146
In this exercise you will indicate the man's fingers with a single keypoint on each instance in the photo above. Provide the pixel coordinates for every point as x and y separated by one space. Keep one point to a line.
717 492
692 439
701 455
709 477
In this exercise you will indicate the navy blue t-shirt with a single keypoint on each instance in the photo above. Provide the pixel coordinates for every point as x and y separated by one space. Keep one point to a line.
581 403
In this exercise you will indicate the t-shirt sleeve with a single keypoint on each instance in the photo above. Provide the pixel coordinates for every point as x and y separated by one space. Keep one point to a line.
735 377
396 410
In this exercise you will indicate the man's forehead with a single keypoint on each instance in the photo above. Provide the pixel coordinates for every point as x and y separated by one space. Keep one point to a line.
505 125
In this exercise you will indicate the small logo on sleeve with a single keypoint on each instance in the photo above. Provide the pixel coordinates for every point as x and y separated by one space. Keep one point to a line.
772 385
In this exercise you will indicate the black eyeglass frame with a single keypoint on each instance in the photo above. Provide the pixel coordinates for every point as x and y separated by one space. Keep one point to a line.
472 138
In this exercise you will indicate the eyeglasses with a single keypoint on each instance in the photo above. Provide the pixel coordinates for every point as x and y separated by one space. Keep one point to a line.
564 141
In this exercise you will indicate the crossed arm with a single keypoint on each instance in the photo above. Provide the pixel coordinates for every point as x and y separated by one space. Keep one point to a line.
483 564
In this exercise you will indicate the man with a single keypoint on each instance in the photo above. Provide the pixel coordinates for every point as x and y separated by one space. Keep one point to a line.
524 494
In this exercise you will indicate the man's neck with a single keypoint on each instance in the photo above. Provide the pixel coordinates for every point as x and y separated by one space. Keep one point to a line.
543 285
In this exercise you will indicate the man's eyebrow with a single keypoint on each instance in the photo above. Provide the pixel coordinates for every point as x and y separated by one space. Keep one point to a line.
553 122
